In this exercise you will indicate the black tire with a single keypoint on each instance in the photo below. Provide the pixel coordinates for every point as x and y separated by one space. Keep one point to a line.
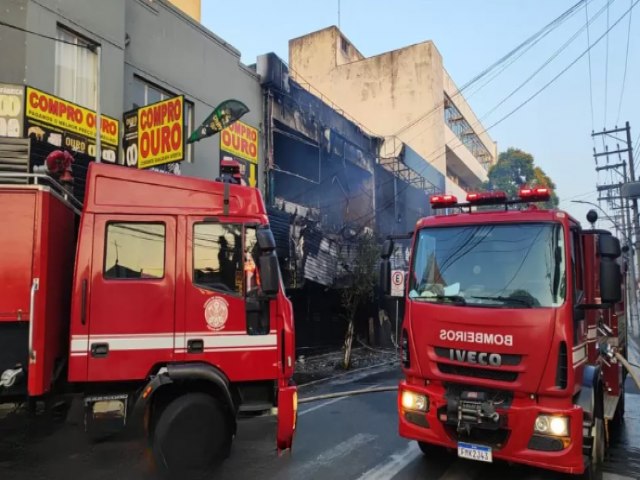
191 436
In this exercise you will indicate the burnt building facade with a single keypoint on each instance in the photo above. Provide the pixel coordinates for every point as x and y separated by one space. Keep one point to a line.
326 186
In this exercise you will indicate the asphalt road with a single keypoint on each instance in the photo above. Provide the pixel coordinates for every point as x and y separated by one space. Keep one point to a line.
349 438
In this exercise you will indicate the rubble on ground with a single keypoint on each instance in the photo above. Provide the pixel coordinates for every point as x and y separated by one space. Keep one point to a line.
317 367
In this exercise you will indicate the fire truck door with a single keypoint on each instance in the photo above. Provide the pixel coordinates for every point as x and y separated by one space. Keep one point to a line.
221 275
132 296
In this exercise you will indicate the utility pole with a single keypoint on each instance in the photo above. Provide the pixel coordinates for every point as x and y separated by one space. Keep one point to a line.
613 194
624 169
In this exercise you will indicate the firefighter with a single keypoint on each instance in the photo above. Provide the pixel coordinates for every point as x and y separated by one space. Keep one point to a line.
252 278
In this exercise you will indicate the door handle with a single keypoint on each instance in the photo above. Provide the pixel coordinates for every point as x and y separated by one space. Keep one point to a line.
195 345
99 350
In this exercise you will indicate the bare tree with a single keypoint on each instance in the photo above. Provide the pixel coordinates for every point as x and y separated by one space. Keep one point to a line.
362 278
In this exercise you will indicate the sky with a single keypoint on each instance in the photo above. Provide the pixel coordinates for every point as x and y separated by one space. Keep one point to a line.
555 127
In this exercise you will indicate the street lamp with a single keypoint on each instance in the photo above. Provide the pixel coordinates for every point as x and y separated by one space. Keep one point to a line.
606 215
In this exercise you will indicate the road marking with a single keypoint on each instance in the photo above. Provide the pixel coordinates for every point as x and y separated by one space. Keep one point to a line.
615 476
343 449
316 407
397 462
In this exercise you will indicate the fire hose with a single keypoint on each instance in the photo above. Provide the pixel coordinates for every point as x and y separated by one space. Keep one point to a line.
629 368
9 377
349 393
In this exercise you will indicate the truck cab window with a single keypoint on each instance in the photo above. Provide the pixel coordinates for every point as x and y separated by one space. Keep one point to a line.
134 251
218 257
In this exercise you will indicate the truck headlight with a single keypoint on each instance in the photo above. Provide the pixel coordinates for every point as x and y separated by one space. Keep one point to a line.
552 425
414 401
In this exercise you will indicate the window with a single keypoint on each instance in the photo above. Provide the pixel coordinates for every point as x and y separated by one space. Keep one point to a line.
76 70
494 265
134 250
219 260
145 93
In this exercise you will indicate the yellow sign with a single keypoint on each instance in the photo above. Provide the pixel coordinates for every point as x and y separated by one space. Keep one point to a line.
241 140
70 117
161 133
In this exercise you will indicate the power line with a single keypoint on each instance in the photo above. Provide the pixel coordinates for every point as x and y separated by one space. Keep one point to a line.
586 13
534 95
41 35
566 68
606 71
548 61
530 41
626 61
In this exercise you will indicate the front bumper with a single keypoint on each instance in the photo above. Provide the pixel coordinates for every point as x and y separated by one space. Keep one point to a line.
511 442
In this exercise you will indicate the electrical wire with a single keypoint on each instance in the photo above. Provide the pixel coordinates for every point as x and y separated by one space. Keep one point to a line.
626 61
41 35
606 72
586 13
549 60
530 98
533 39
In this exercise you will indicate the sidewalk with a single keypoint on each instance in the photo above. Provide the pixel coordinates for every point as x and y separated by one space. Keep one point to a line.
328 365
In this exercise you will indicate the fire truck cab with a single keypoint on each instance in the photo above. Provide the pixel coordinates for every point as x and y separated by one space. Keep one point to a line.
158 298
512 318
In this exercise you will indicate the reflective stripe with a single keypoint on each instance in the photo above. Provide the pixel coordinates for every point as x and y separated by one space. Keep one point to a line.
235 340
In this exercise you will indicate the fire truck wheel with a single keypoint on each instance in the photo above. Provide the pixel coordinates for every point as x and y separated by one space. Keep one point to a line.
191 435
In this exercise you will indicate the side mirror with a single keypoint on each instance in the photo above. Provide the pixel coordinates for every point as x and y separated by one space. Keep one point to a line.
269 274
609 246
387 249
610 281
385 276
266 241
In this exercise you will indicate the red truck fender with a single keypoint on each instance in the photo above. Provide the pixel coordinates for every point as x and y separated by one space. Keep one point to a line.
173 374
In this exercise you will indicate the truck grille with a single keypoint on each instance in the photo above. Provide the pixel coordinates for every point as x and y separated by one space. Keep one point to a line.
484 373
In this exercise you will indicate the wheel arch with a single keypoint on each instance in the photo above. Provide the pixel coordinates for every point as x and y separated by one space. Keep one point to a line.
174 380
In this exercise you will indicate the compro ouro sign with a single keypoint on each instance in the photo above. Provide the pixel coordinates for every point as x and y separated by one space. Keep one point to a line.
154 134
239 142
11 110
66 125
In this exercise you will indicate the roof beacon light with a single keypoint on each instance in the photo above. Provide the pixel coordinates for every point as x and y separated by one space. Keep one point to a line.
443 201
538 194
487 198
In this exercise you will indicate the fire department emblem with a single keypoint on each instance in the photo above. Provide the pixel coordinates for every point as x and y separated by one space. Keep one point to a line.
216 312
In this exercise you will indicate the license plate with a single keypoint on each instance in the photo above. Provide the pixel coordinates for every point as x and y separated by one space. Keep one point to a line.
472 451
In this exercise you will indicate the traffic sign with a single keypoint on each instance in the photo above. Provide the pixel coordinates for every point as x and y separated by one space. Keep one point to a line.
397 283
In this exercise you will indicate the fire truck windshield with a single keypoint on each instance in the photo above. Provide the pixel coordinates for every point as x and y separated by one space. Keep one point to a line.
500 265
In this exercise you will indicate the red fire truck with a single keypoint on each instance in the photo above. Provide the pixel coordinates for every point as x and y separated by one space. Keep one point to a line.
513 318
159 299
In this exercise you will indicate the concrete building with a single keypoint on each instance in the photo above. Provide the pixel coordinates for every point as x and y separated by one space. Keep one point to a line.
405 96
151 50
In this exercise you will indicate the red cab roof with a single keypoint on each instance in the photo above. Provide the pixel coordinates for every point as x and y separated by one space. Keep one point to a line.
118 189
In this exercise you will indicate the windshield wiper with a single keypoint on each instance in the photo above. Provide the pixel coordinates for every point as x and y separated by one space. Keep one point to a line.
503 299
457 299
